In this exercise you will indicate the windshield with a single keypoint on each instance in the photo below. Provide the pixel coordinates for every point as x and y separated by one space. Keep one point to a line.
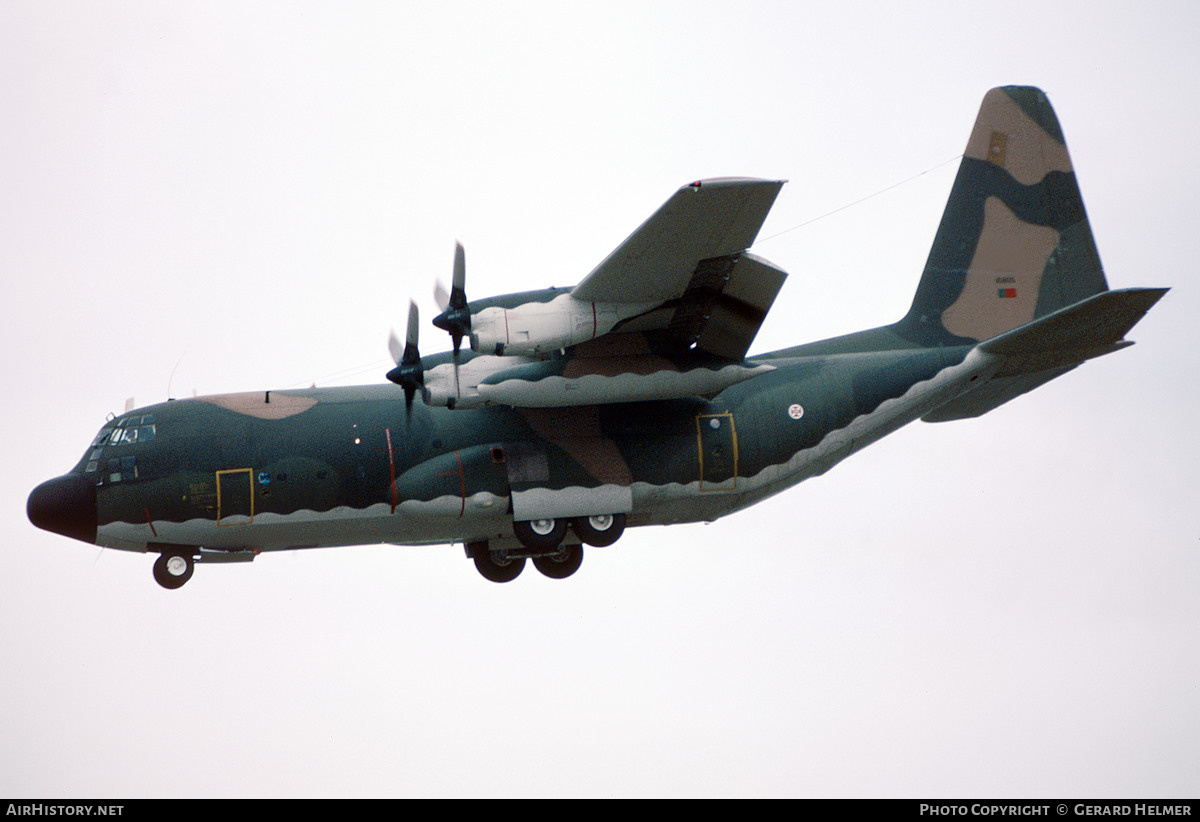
109 459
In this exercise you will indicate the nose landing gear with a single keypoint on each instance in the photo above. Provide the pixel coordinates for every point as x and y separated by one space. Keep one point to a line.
173 568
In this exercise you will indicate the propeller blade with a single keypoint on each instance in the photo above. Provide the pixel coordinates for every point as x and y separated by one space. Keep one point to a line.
414 327
457 387
456 298
460 276
394 347
410 340
440 295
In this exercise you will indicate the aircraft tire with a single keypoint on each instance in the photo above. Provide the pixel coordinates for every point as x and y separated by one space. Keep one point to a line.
562 564
600 531
172 569
541 534
495 569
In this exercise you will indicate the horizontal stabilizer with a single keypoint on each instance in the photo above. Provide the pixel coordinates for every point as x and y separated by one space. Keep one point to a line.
1039 351
992 394
1098 321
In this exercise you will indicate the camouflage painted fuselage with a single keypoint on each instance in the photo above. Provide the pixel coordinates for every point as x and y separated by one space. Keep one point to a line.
337 466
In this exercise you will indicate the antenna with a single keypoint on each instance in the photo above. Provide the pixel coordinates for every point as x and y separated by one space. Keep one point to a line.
172 375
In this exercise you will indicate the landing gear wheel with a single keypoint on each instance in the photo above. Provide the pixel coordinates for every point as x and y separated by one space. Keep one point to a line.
497 567
562 564
172 569
601 530
541 534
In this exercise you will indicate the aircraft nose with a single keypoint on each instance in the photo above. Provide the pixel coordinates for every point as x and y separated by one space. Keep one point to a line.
65 505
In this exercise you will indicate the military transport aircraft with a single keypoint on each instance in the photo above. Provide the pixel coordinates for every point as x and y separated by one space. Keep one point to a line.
627 400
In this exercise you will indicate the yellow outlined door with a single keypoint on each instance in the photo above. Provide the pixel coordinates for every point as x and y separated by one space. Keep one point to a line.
716 442
235 496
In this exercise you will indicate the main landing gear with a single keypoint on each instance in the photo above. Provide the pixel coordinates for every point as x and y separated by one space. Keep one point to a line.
600 531
542 541
497 566
562 564
173 568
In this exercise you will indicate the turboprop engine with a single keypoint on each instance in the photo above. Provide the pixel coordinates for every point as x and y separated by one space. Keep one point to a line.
535 328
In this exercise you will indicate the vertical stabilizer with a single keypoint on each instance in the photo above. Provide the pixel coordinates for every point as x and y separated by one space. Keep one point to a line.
1014 243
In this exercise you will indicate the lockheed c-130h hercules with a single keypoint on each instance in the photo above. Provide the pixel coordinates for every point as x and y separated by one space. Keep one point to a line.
626 400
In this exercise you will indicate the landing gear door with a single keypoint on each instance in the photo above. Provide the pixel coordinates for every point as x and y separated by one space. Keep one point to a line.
529 479
235 497
716 441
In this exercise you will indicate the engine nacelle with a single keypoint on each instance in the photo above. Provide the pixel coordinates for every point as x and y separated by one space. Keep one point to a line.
460 389
539 328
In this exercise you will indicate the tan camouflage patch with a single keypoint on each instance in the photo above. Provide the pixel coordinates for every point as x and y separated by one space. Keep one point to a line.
262 404
1005 275
577 431
615 354
1007 137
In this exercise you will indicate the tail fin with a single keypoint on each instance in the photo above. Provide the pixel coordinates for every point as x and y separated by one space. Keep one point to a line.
1014 243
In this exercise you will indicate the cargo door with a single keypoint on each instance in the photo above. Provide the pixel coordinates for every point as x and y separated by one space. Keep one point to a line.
235 496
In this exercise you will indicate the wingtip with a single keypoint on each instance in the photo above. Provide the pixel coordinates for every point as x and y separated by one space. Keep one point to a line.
732 182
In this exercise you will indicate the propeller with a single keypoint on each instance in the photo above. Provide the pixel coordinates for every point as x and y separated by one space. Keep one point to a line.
409 374
456 316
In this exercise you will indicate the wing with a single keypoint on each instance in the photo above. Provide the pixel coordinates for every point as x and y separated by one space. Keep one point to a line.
670 313
685 272
706 220
690 260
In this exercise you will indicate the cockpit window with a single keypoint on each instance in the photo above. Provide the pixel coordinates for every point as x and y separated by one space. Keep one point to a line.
128 431
133 429
122 468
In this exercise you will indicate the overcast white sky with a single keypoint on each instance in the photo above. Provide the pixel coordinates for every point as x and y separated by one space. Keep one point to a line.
237 196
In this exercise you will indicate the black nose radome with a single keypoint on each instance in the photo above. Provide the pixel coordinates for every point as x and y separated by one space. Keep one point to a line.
65 505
